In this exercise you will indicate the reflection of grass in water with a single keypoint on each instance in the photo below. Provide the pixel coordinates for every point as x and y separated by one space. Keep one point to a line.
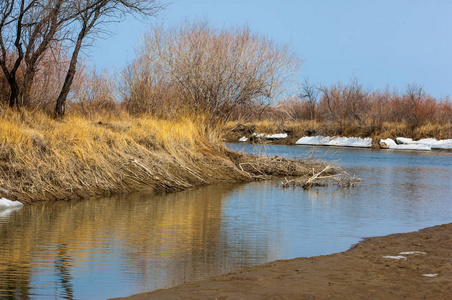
149 233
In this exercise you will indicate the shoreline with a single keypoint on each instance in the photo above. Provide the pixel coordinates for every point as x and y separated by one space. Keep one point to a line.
263 132
79 157
414 265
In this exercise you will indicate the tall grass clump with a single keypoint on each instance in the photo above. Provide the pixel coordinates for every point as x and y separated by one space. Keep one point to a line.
41 158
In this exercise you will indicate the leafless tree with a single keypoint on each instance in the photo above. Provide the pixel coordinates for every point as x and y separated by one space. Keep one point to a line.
30 28
328 96
92 15
354 99
309 93
215 70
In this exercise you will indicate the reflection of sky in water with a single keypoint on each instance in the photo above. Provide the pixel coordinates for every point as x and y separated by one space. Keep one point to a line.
127 244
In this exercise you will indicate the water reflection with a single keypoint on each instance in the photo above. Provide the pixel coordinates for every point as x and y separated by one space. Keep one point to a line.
127 244
145 241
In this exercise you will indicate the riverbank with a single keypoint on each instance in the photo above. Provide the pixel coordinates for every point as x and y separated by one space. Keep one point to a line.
416 265
78 157
288 133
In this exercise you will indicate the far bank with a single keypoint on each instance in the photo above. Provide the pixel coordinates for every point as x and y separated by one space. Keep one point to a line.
434 136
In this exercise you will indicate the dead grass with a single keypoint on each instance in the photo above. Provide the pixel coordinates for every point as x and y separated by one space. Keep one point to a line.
41 158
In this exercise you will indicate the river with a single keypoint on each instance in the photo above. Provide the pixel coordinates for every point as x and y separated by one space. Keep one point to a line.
132 243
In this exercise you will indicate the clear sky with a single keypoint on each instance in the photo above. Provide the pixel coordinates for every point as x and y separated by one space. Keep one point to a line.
381 42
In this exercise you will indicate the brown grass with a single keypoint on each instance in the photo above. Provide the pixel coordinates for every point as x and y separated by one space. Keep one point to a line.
42 158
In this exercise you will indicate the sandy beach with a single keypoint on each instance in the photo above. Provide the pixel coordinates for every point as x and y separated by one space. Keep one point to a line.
416 265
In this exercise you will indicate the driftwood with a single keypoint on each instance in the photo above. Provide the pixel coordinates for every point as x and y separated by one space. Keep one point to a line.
341 180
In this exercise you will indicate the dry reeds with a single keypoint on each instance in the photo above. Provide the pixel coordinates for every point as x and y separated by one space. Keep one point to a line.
42 158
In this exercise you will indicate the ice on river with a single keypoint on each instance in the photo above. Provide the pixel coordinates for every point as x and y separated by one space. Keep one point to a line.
335 141
391 144
432 143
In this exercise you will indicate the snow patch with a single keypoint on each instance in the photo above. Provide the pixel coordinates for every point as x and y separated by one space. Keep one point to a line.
395 257
432 143
8 204
243 139
391 144
270 136
335 141
276 136
412 252
430 275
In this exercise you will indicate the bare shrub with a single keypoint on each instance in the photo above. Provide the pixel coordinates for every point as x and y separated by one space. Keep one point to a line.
93 95
352 110
211 71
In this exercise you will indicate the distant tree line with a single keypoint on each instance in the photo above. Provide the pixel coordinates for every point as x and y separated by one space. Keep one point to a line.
352 105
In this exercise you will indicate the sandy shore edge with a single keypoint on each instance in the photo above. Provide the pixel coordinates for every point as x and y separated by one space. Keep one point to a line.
415 265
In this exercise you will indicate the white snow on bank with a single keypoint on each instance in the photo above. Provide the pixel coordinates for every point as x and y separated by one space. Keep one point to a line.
243 139
276 136
412 253
432 143
391 144
8 204
268 136
394 257
430 275
335 141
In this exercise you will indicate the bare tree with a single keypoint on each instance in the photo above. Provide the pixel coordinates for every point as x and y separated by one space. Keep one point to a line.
15 16
215 70
414 96
95 14
30 28
354 98
328 96
309 93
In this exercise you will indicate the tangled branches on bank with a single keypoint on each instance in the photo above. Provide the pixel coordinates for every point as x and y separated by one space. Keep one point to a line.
322 178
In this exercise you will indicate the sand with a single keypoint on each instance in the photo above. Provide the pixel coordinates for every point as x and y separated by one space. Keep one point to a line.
416 265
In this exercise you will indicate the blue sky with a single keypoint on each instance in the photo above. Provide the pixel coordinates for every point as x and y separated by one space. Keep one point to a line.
381 42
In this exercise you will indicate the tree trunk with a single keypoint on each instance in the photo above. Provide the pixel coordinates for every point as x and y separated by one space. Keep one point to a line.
25 93
14 96
62 97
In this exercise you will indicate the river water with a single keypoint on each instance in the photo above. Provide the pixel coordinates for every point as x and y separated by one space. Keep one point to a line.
127 244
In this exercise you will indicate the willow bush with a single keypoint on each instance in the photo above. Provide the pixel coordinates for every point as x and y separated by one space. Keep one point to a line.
197 69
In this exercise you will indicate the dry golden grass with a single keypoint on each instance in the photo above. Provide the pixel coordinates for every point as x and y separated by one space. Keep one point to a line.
42 158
